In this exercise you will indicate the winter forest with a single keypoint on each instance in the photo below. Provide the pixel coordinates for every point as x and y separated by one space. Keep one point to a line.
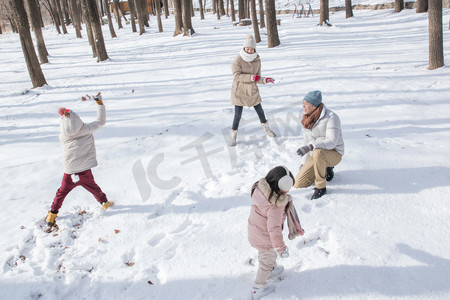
138 98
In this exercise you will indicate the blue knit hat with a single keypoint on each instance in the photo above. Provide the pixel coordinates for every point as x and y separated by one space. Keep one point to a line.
314 98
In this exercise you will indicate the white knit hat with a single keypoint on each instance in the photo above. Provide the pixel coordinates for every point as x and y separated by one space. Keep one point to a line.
250 42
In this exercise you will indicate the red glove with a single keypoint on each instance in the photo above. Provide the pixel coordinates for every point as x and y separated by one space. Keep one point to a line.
255 78
269 80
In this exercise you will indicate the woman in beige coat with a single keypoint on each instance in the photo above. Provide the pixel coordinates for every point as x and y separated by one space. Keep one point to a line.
244 92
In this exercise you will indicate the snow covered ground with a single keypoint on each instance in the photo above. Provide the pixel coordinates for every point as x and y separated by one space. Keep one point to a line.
179 227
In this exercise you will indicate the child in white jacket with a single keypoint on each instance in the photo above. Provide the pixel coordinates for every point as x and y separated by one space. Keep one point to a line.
79 157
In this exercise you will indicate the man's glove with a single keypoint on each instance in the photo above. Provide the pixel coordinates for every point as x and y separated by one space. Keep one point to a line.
305 149
285 253
269 80
255 78
98 99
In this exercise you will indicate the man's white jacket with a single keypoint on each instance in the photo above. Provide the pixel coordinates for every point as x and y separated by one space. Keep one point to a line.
325 134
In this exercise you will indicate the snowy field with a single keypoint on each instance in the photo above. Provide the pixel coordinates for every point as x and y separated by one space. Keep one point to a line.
179 227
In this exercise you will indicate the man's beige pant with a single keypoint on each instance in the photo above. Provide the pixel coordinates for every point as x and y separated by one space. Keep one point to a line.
267 262
314 169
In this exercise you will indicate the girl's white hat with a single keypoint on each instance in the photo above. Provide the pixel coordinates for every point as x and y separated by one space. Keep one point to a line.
250 42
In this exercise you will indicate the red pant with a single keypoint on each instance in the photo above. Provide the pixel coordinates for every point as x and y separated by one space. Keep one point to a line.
86 180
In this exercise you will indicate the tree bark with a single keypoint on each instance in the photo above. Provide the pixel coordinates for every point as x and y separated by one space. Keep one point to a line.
166 8
422 6
187 21
116 9
65 12
61 16
76 17
324 13
349 9
108 16
202 14
54 14
233 12
158 15
21 20
221 8
255 21
399 5
436 45
141 16
262 24
102 55
88 26
132 15
36 25
178 17
272 31
241 10
217 10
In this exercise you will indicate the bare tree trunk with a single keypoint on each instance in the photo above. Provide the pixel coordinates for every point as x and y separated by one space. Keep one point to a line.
146 14
233 12
217 10
241 10
178 17
76 18
221 8
34 68
191 4
187 21
116 10
262 23
61 16
247 9
166 8
348 9
202 14
214 6
141 16
108 15
102 55
422 6
13 25
54 14
36 25
324 15
436 45
88 26
399 5
65 12
255 21
40 14
272 31
132 15
158 15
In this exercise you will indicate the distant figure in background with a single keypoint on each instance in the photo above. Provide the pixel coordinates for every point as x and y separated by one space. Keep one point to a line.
324 145
265 225
244 92
79 157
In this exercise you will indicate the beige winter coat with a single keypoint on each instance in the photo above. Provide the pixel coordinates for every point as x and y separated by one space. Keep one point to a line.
266 218
78 142
244 91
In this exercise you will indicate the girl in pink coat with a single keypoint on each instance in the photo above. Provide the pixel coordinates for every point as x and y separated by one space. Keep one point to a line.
265 225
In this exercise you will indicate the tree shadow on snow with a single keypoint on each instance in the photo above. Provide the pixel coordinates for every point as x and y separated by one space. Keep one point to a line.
428 276
391 181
